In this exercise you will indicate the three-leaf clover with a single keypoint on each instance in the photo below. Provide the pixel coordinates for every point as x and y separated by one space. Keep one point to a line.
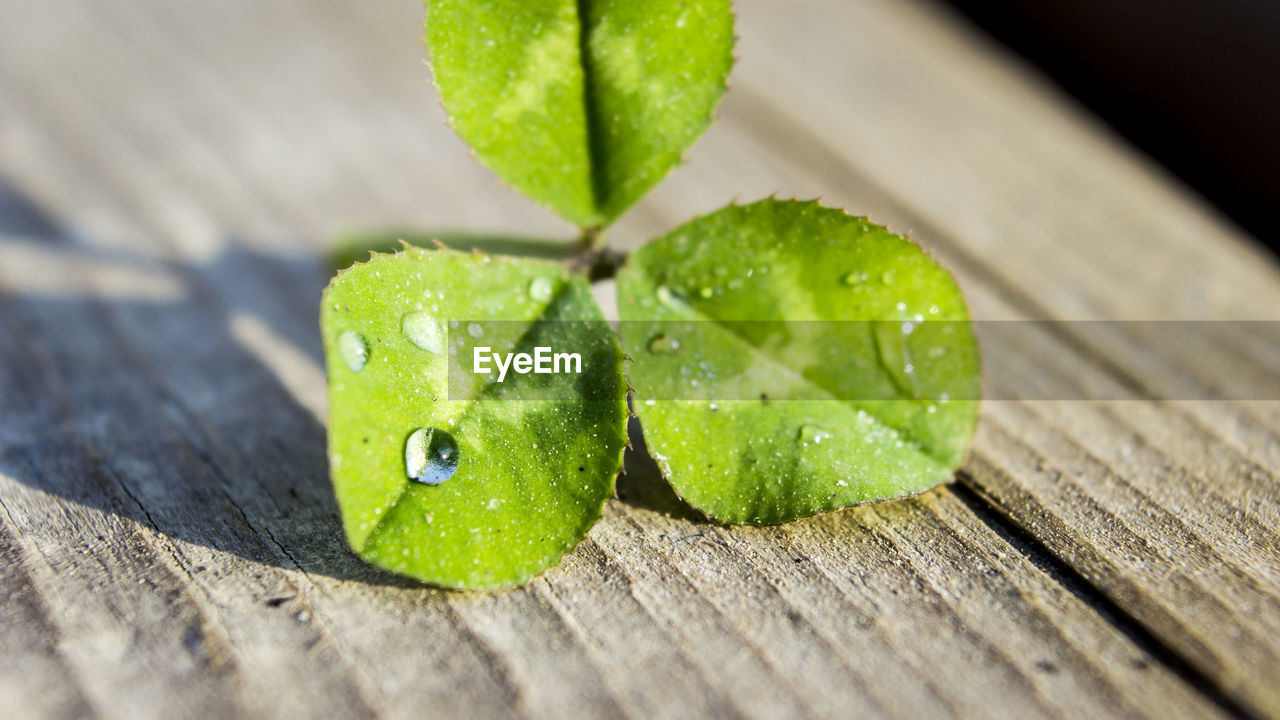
786 358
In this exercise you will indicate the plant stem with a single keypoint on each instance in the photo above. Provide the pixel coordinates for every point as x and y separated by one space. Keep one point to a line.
594 258
591 238
605 264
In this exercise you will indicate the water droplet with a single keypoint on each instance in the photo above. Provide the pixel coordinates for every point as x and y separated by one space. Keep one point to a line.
855 278
671 298
706 292
430 456
810 434
422 329
661 344
540 289
474 330
353 349
895 357
889 277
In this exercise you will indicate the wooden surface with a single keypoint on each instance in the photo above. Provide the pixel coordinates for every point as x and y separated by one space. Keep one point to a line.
170 174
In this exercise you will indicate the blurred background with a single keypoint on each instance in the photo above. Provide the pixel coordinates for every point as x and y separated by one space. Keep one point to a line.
1194 83
174 174
146 130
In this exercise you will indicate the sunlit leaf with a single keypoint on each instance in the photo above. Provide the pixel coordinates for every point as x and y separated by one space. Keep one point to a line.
457 484
791 359
582 105
357 247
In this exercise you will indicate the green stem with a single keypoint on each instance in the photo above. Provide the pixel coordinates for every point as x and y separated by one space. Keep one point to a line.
592 238
606 264
594 258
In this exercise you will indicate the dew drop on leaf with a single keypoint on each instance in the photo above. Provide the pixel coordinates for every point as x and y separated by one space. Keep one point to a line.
474 330
540 289
855 278
671 298
353 349
810 434
430 456
662 345
895 357
422 329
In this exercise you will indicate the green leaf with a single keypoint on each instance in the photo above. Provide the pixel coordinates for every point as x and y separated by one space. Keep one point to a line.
791 359
352 248
582 105
530 476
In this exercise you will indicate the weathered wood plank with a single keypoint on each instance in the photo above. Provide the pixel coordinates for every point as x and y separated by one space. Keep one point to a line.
247 482
1195 458
176 413
922 126
34 677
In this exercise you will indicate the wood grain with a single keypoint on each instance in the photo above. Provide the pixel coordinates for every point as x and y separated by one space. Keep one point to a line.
169 179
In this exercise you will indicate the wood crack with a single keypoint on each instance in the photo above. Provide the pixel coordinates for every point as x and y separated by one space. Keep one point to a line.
81 706
989 511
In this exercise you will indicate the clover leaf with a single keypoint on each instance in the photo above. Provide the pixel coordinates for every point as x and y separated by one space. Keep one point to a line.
453 483
787 358
582 105
791 359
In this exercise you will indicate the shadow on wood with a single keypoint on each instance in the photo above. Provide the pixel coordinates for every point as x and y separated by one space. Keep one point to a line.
641 484
182 413
156 410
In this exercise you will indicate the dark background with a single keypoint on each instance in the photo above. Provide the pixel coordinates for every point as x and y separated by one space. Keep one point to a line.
1194 83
